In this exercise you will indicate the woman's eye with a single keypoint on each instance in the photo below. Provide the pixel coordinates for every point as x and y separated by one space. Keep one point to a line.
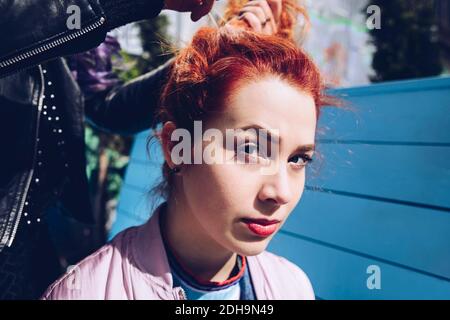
251 151
250 148
301 160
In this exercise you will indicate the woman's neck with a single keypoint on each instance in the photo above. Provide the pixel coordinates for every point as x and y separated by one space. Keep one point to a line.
197 252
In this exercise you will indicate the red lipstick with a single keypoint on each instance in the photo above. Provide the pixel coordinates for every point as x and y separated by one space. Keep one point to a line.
262 227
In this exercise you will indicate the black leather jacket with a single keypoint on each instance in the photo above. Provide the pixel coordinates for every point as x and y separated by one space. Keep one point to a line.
32 32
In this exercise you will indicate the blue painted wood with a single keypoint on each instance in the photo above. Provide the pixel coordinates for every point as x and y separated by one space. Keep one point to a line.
413 111
388 87
381 195
337 274
136 203
144 175
416 174
153 152
416 238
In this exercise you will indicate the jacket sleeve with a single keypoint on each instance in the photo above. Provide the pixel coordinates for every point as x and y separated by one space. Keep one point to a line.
128 109
32 32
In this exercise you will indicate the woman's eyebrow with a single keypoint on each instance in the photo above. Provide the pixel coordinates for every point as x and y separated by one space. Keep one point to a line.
306 148
277 140
270 134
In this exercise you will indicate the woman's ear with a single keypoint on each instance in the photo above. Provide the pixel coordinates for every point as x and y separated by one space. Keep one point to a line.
166 142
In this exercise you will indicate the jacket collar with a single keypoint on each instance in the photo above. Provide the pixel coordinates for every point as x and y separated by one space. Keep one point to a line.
150 254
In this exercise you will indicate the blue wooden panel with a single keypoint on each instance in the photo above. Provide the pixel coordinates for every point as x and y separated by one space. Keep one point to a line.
418 174
416 238
142 175
136 203
336 274
154 154
389 87
418 111
135 208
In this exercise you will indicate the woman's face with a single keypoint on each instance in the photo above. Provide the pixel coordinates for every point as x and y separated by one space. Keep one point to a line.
221 197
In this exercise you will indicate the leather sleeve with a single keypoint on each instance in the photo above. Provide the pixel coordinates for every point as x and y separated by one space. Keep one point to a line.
32 32
129 109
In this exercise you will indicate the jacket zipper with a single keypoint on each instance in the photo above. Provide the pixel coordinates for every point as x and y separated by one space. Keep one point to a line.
31 173
53 44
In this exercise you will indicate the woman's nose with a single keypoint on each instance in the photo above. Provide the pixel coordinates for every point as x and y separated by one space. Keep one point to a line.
276 187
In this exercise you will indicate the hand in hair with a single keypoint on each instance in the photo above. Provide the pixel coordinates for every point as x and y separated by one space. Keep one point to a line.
286 15
198 8
262 16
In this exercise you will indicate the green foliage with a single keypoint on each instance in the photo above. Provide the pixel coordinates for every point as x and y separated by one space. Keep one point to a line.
92 144
407 45
127 68
116 149
155 46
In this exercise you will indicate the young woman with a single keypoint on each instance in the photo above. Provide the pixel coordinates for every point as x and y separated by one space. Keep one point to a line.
207 240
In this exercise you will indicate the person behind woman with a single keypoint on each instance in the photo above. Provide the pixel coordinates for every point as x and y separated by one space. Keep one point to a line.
208 239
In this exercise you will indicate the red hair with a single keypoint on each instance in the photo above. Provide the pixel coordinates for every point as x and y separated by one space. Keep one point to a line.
217 61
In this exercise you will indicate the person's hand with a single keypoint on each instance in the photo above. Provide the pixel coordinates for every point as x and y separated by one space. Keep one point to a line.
198 8
262 16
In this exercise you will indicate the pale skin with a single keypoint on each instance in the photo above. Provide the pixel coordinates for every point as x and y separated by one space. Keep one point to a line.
262 15
204 213
268 12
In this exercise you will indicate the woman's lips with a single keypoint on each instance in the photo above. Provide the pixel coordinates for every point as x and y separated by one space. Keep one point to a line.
262 227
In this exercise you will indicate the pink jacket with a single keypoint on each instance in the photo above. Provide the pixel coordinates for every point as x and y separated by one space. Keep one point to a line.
134 265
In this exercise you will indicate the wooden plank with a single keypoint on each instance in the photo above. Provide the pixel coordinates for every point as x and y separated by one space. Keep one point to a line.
389 87
414 237
153 155
142 175
336 274
418 174
396 112
136 203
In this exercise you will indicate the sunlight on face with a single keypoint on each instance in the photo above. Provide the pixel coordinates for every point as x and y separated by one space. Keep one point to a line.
221 195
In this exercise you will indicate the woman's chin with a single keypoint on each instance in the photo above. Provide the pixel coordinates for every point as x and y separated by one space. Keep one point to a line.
253 248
